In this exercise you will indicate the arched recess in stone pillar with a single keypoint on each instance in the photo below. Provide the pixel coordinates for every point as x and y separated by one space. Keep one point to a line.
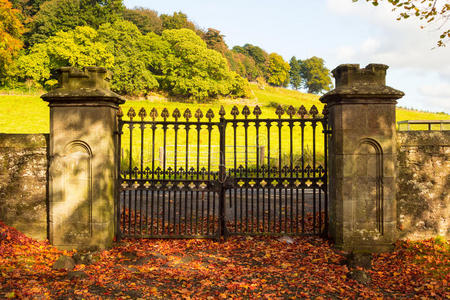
78 190
368 188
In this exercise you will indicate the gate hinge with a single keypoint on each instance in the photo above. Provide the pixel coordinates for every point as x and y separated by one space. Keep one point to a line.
328 131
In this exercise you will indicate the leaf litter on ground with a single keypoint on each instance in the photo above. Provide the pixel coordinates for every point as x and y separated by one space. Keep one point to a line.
260 267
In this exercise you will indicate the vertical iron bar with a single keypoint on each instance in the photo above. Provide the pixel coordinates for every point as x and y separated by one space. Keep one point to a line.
314 124
209 177
164 185
235 176
153 176
325 177
135 201
257 175
268 175
303 174
186 183
130 174
175 178
246 184
291 186
279 175
320 211
141 186
198 174
222 179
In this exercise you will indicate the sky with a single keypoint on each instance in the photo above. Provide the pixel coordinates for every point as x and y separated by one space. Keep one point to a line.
339 31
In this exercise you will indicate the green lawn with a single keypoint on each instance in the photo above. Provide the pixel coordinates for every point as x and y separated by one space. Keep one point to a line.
32 116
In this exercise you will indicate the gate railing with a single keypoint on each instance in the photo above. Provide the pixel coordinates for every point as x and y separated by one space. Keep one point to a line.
184 193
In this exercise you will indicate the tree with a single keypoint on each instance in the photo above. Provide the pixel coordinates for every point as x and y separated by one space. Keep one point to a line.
316 77
278 71
28 7
10 31
294 73
242 64
176 21
78 48
427 11
257 55
214 40
135 57
197 72
64 15
146 20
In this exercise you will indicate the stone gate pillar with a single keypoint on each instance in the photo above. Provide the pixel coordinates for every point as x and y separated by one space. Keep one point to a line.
83 159
362 158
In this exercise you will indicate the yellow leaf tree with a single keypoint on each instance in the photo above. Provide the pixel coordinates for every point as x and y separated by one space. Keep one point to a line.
11 29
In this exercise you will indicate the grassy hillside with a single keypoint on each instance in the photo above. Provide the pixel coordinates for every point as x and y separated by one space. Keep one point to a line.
29 114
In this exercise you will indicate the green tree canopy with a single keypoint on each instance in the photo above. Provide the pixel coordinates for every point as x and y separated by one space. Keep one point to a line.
28 7
135 57
176 21
316 77
196 71
214 40
63 15
294 73
146 20
78 48
278 71
10 32
259 57
244 65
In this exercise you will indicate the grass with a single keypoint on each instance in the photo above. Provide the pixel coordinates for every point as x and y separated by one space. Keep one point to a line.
32 116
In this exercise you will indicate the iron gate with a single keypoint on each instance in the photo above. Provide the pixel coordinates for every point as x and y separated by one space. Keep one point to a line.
242 174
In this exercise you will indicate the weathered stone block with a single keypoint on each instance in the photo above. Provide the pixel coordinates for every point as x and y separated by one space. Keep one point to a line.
23 183
423 184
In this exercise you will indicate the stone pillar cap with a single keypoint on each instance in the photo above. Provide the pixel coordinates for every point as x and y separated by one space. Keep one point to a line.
80 86
361 84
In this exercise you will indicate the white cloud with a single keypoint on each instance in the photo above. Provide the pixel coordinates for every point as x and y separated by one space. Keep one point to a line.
346 53
370 45
439 90
421 72
399 44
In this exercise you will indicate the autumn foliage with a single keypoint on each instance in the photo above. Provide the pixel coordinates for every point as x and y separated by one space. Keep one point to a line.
240 267
11 29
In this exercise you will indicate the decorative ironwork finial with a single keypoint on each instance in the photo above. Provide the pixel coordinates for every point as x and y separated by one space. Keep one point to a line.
142 113
187 114
314 111
176 114
210 114
131 113
257 111
302 111
279 111
246 111
198 114
290 111
222 111
235 111
153 114
165 114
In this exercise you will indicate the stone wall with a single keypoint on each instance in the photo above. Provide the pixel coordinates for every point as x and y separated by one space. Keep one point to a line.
23 183
423 184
